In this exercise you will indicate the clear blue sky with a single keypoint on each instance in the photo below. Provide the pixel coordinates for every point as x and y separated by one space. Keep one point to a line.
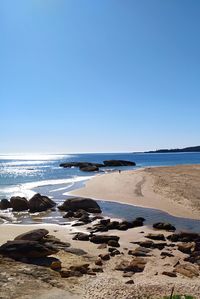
99 75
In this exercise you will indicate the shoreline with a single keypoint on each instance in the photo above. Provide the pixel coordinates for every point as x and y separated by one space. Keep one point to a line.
138 188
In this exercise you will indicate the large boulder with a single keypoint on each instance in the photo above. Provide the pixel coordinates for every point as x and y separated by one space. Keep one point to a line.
19 249
19 203
39 203
137 264
77 203
33 235
4 204
118 163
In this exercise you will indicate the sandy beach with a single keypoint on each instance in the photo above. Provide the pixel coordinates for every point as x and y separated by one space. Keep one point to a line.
171 189
174 189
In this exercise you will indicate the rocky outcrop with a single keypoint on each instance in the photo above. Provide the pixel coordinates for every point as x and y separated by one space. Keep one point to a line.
88 166
118 163
76 203
164 226
4 204
184 237
33 235
20 249
18 203
39 203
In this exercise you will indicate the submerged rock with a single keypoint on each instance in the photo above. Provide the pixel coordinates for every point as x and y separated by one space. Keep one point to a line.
76 203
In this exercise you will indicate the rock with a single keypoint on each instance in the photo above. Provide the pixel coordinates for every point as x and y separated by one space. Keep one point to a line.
164 253
138 222
90 272
127 274
39 203
98 262
140 251
186 247
69 214
170 274
151 244
97 270
56 266
114 252
77 203
118 163
105 257
33 235
4 204
76 251
80 213
130 281
83 268
104 221
164 226
137 264
113 243
52 240
69 273
99 239
80 164
19 203
112 225
187 270
18 249
159 237
81 237
89 168
184 237
78 223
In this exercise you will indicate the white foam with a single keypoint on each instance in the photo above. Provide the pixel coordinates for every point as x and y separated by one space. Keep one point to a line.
26 188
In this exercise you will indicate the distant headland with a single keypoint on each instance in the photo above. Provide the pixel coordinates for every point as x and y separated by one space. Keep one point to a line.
176 150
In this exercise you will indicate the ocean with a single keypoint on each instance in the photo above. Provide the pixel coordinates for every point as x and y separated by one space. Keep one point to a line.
25 175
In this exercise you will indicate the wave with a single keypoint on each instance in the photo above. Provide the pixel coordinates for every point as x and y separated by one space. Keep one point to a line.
27 189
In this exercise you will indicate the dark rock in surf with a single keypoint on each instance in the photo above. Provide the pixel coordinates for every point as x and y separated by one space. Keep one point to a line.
4 204
19 203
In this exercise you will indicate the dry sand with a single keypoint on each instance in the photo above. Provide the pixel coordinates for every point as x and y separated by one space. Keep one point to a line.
174 189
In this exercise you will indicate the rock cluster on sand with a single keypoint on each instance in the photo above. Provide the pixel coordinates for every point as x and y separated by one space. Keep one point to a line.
88 166
32 245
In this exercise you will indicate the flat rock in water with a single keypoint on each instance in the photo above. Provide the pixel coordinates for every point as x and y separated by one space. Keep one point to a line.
76 203
164 226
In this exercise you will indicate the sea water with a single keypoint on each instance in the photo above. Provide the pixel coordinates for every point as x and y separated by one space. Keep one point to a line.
25 175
